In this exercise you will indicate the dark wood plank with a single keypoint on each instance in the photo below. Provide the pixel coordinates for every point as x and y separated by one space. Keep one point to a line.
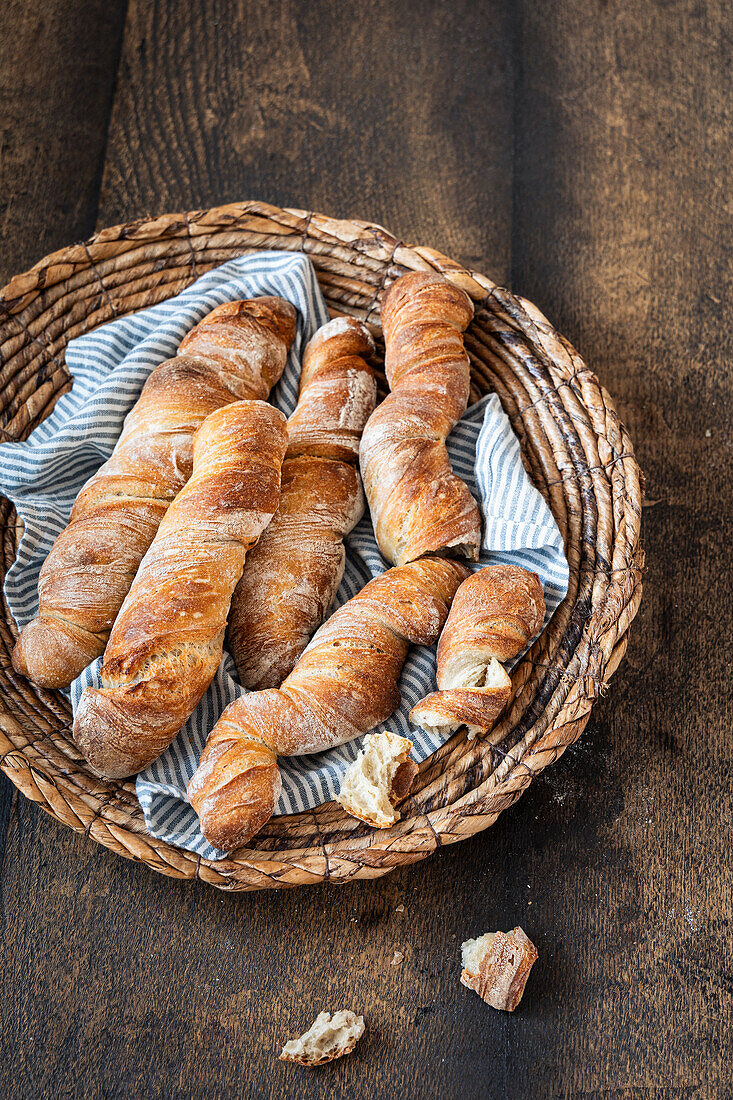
394 114
134 986
57 69
622 234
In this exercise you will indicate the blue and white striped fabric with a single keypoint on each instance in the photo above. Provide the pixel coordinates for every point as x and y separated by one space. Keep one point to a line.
43 476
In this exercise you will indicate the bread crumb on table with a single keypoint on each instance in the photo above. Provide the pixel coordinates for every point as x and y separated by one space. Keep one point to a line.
497 965
328 1038
397 958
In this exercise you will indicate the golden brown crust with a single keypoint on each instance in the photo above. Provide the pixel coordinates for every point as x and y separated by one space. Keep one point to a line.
338 392
495 614
261 326
292 576
344 684
238 351
418 505
404 777
477 708
167 641
235 789
504 970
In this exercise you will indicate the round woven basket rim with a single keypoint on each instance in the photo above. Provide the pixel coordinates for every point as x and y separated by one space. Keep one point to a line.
576 449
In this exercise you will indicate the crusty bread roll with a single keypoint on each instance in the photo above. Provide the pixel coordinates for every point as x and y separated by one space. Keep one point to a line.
238 351
494 616
337 392
296 569
344 684
329 1037
497 965
378 780
292 576
167 641
418 505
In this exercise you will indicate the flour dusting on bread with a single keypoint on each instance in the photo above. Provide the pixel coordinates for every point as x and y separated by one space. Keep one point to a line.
329 1037
379 778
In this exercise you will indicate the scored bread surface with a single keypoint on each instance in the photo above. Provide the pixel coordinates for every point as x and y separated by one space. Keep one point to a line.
345 683
166 644
291 578
418 505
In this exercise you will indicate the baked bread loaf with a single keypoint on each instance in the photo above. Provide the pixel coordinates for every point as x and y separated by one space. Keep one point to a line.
329 1037
238 351
166 644
344 684
418 505
338 392
378 780
497 965
293 574
494 616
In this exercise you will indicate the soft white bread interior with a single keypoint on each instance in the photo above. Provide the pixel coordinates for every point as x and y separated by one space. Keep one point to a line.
490 680
378 780
329 1037
482 673
497 965
473 951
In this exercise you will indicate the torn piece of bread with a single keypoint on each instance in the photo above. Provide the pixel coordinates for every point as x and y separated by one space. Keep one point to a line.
473 696
329 1037
497 965
378 780
494 615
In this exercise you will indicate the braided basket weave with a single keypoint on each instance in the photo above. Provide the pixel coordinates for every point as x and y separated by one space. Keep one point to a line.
576 449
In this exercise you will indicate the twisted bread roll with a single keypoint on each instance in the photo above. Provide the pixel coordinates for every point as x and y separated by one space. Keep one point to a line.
495 614
344 684
293 574
166 644
237 351
418 504
337 392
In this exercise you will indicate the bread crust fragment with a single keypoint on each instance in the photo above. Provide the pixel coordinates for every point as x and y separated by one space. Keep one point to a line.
498 966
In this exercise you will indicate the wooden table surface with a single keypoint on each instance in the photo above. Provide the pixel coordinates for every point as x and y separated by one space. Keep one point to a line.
580 151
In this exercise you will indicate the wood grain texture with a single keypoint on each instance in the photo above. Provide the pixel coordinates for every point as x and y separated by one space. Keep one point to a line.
587 144
57 70
622 233
388 111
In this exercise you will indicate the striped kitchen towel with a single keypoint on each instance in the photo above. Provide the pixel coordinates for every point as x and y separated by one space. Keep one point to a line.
43 475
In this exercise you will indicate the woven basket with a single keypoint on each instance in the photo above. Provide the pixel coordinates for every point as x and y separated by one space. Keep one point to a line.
576 449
